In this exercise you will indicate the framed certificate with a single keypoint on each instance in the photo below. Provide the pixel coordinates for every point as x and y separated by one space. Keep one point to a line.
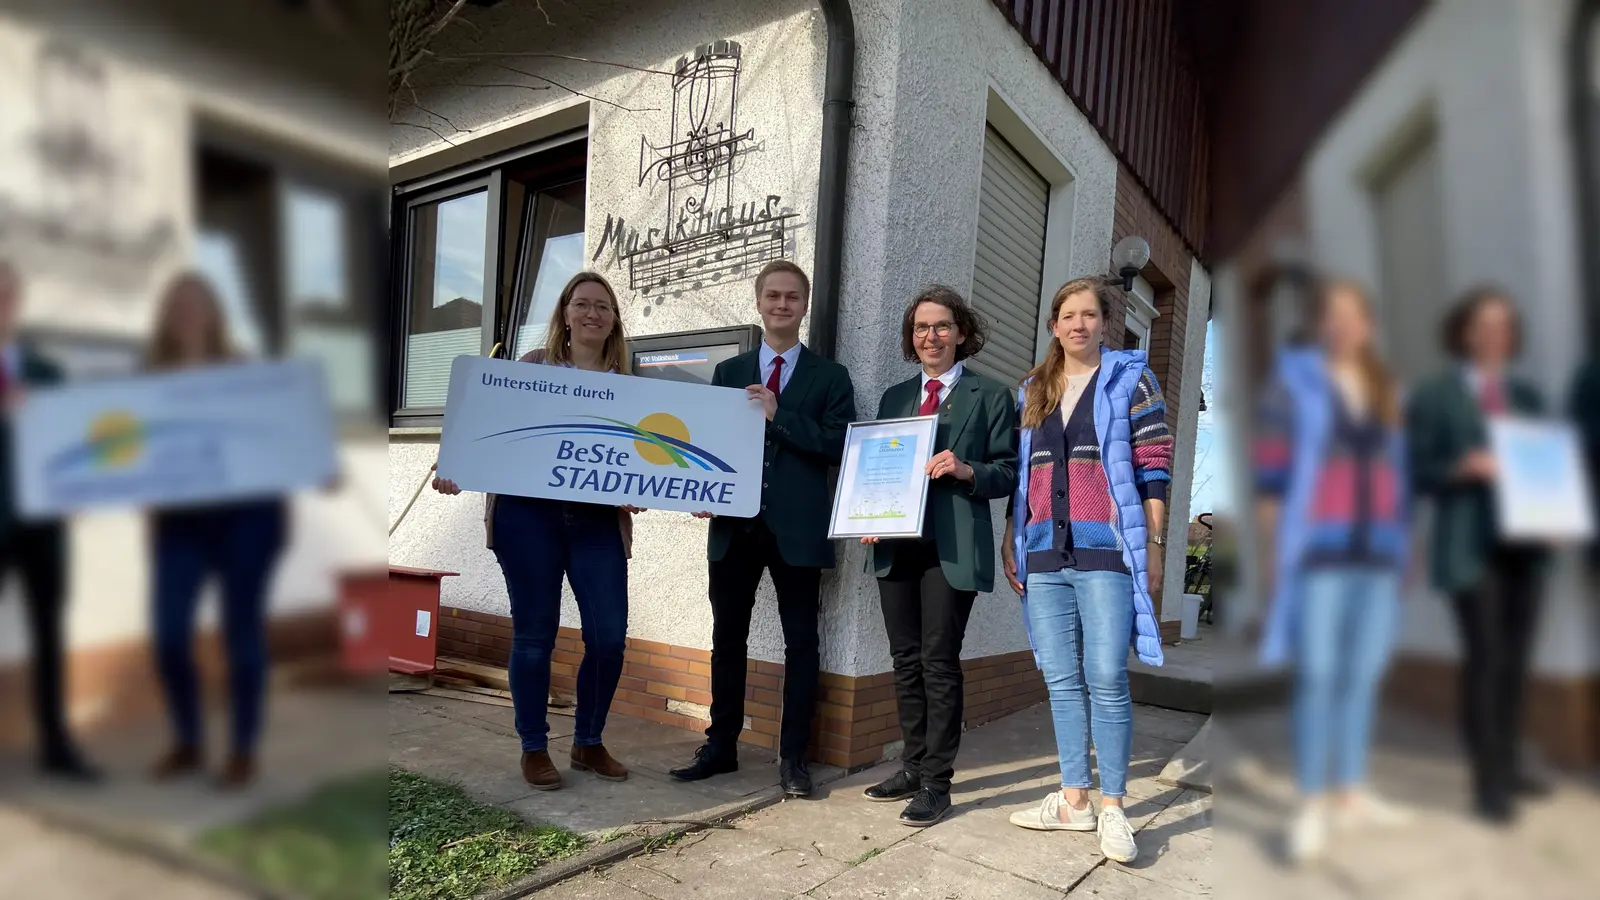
883 480
1542 489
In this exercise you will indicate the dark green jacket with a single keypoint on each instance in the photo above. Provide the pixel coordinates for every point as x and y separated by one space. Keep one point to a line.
1443 423
979 423
34 371
804 439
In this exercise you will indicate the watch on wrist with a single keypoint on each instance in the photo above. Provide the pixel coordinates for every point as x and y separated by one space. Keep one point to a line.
1160 540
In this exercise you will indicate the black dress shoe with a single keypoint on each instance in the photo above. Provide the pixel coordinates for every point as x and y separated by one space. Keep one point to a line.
707 762
926 808
1496 809
68 767
902 785
1529 786
794 777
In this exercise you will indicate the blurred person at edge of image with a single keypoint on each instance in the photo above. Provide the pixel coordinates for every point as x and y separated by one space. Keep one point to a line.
36 550
240 542
1329 462
537 541
1495 584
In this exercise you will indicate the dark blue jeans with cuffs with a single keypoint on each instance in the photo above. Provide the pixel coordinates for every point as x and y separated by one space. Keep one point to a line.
537 542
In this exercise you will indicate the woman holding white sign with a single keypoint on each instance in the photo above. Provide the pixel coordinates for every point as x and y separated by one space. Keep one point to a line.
241 542
537 541
1084 550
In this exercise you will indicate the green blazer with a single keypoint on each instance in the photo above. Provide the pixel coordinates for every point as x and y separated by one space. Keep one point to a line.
979 423
32 370
804 439
1443 423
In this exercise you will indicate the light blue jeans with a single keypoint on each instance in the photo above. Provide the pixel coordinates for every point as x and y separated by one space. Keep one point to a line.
1081 624
1348 619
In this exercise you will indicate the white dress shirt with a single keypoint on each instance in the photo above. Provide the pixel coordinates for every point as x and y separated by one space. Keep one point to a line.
948 380
790 357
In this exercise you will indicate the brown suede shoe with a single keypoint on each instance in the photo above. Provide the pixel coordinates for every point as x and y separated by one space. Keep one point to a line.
238 773
178 761
539 771
595 759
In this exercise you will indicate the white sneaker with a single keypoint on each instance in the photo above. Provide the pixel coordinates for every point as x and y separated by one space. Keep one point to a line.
1308 835
1116 835
1055 814
1367 810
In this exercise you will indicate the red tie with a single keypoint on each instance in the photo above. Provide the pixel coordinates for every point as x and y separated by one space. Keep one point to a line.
1493 397
931 404
776 379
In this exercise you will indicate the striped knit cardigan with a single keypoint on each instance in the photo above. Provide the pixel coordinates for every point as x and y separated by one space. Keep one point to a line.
1121 373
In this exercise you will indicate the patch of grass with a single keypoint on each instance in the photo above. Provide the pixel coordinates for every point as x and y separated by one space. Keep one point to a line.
328 846
443 845
866 856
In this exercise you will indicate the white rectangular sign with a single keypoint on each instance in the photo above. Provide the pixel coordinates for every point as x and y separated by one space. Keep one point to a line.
883 481
566 434
1541 486
217 433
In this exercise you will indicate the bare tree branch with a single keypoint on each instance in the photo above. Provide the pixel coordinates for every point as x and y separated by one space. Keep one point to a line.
583 59
444 20
571 90
539 5
428 128
487 84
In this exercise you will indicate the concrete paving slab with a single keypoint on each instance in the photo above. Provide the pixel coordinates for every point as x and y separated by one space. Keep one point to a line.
838 823
1116 883
590 886
45 863
1191 767
727 865
1057 860
483 762
911 871
1153 721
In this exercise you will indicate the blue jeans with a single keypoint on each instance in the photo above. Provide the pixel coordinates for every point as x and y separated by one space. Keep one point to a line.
241 543
1348 619
1081 624
537 542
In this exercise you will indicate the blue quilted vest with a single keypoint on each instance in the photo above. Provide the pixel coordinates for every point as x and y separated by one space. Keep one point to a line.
1305 375
1120 371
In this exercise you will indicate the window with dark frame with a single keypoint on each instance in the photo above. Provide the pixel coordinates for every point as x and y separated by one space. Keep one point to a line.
483 253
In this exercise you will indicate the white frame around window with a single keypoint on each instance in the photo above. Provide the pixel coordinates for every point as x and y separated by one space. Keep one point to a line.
1141 312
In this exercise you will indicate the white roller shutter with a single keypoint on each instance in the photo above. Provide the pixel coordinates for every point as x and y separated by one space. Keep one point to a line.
1014 202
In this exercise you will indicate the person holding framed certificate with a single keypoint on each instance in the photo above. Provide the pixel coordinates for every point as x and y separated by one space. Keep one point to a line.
1084 550
927 585
537 541
1495 582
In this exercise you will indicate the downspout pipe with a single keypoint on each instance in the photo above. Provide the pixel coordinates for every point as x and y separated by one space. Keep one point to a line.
1585 123
838 103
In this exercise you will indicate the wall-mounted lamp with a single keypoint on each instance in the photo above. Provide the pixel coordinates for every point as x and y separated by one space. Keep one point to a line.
1128 257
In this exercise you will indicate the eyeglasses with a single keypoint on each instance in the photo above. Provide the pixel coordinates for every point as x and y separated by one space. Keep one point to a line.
922 329
584 307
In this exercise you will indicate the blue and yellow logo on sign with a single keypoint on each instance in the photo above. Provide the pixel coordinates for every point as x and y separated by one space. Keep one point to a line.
660 438
116 440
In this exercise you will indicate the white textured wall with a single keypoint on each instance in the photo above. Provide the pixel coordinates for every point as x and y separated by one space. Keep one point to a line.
915 159
1491 74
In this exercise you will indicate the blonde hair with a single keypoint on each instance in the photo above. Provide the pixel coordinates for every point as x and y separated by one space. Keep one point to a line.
164 352
558 338
1044 383
1376 379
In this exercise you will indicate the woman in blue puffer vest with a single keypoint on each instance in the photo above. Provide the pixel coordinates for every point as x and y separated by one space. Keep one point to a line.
1331 485
1094 462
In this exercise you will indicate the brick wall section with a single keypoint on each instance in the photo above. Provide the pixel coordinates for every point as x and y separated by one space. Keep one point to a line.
856 717
1168 273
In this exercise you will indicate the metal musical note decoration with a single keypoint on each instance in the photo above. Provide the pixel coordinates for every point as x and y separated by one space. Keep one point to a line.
705 236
